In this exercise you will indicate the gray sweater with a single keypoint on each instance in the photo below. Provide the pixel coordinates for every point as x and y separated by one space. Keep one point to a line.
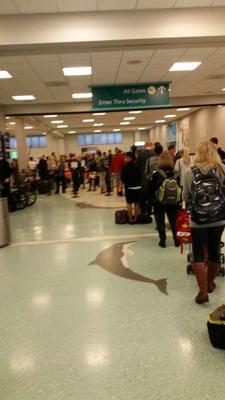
187 193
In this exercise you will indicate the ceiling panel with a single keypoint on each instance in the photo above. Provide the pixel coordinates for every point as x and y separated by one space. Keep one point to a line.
218 3
148 4
7 7
116 5
79 84
40 6
193 3
77 5
105 66
75 60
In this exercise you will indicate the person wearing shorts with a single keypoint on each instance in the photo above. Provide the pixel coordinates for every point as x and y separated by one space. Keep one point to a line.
131 177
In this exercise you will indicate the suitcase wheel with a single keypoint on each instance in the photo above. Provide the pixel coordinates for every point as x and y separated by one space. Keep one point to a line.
189 269
189 258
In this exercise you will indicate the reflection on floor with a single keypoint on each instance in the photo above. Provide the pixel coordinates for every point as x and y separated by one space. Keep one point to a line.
71 330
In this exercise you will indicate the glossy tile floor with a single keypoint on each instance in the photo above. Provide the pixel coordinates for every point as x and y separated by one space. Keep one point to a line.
74 331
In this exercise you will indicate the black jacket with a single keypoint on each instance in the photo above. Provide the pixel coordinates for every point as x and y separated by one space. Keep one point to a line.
141 160
5 170
131 174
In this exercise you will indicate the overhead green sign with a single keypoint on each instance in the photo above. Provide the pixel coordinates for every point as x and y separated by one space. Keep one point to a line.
130 96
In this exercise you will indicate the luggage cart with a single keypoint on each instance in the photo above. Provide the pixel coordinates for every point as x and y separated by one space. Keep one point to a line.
190 270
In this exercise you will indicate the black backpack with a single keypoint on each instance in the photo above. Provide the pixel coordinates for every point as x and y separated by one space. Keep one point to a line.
208 200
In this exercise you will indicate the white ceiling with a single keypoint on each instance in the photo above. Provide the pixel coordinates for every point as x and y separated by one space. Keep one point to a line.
59 6
42 76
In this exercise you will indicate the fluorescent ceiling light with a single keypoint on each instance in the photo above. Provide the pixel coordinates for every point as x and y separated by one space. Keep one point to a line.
116 130
87 95
100 124
124 123
7 117
72 132
77 71
29 127
12 123
97 131
139 143
99 113
24 97
129 118
170 116
135 112
159 121
142 128
223 89
185 66
50 116
44 133
57 122
5 75
62 126
88 120
183 109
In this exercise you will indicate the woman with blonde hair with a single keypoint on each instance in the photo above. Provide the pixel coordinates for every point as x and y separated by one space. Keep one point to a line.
162 206
203 192
182 164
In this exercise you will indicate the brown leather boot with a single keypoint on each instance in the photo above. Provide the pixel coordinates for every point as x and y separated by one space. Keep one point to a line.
213 268
201 277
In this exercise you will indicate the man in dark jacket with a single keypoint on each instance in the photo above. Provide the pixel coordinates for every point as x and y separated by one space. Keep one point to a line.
143 157
221 153
5 173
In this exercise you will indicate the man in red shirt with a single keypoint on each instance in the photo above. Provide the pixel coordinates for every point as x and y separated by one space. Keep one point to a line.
116 169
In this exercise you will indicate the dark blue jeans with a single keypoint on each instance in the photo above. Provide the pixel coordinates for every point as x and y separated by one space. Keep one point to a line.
206 236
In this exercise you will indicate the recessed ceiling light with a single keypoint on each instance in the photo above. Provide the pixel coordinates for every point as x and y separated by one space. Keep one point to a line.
170 116
72 132
88 120
44 133
129 118
99 113
100 124
28 127
57 122
50 116
87 95
7 117
223 89
12 123
124 123
159 121
77 71
185 66
5 75
97 131
62 126
142 128
135 112
183 109
27 97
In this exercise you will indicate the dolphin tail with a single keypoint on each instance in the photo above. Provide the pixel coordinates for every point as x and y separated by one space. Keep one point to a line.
91 263
162 285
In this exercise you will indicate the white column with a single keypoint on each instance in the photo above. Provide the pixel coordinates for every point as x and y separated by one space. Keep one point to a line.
21 143
137 136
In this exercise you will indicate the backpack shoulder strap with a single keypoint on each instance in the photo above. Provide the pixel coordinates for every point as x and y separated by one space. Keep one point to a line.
162 173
